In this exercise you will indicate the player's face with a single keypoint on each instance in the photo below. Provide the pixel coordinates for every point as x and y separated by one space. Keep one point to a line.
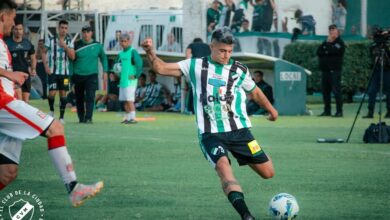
87 36
125 43
221 52
18 31
7 18
63 30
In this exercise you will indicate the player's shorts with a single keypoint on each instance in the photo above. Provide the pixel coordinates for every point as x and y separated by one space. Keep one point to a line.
20 121
127 94
240 143
26 87
10 149
58 82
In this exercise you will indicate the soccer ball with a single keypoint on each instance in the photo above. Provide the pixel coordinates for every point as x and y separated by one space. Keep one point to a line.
117 68
283 206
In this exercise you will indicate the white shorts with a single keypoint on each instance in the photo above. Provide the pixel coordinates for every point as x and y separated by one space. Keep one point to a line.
20 121
10 147
127 94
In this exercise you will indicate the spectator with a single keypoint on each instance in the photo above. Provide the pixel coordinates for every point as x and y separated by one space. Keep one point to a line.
226 10
257 17
41 58
197 49
132 66
252 107
114 43
239 15
213 15
340 15
85 77
330 55
153 95
109 101
23 59
140 91
171 45
245 26
306 21
268 15
174 99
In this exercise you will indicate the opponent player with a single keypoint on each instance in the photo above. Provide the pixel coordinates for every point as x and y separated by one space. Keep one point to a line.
219 86
20 121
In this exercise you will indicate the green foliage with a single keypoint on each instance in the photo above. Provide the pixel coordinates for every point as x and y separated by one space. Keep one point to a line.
356 67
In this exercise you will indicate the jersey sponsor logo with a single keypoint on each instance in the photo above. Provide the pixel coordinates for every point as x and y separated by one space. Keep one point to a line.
222 98
254 147
216 82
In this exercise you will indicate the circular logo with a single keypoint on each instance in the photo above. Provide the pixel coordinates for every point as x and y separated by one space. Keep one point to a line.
21 205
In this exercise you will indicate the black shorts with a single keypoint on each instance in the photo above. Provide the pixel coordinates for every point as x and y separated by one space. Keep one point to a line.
26 87
58 82
240 143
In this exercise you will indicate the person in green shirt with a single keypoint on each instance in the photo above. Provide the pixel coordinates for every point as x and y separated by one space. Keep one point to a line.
85 73
132 65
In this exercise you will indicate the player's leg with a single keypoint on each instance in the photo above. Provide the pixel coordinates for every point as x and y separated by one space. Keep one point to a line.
26 122
10 149
216 153
18 93
90 91
52 84
131 104
63 101
265 170
79 91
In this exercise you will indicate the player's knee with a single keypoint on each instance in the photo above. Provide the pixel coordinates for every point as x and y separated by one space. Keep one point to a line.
268 174
9 175
55 129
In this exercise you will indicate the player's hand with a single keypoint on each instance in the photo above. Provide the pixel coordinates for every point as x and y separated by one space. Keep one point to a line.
18 77
147 44
273 115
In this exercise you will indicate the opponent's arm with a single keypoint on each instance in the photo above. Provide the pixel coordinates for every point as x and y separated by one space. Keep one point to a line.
259 97
158 65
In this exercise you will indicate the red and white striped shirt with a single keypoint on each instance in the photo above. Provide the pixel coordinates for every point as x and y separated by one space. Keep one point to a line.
7 92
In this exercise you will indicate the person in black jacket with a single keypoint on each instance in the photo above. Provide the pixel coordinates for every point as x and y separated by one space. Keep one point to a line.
252 107
330 55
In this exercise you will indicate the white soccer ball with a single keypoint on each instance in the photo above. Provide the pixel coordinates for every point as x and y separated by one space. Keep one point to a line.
283 206
117 68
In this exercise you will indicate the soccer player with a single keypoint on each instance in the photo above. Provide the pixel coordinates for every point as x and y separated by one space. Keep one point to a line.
219 86
59 49
20 121
131 69
23 53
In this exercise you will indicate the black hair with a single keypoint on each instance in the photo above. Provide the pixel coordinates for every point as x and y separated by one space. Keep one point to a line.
343 3
142 76
259 72
245 20
223 35
7 5
197 40
152 72
18 22
63 22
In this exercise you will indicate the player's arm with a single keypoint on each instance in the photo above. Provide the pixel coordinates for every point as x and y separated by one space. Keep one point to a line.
158 65
259 97
33 59
16 77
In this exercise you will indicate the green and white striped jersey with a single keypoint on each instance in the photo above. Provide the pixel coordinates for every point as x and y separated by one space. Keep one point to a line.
219 93
57 58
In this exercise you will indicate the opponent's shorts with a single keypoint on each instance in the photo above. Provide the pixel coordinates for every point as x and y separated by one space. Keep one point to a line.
58 82
26 87
20 121
10 149
127 94
240 143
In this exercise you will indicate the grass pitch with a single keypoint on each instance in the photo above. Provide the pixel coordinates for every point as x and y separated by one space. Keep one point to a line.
155 170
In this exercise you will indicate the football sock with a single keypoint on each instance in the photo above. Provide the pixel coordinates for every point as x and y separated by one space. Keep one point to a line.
128 116
61 160
51 103
238 202
132 115
70 186
2 186
62 106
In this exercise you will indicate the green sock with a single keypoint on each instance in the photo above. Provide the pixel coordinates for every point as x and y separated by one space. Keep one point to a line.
238 202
